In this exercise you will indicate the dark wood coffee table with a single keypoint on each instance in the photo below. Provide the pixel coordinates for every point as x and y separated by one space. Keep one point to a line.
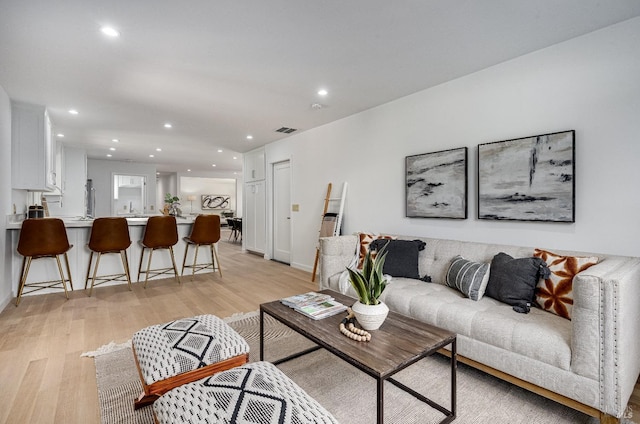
399 343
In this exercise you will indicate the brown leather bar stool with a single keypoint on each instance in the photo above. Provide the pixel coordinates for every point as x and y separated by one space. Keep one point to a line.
43 238
205 232
108 235
161 232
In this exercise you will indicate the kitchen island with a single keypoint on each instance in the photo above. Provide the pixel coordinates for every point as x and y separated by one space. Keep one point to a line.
78 232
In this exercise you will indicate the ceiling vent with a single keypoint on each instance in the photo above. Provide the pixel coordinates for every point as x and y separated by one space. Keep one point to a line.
286 130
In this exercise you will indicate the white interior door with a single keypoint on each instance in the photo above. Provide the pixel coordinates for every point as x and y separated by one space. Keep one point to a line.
282 212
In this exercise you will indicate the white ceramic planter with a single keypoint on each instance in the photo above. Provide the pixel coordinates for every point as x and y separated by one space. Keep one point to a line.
370 317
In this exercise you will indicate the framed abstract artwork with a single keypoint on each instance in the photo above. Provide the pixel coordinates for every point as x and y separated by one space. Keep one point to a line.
528 179
436 184
215 201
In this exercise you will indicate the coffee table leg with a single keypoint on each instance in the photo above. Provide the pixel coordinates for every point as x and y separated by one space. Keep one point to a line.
454 367
380 406
261 335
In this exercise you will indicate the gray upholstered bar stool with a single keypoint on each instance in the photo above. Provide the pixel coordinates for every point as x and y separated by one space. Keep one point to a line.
161 232
205 232
43 238
108 235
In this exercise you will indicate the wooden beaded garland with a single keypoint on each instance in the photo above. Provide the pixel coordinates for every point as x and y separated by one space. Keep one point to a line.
348 328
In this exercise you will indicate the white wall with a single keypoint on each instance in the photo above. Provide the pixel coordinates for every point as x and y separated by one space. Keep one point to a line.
199 186
590 84
5 193
101 172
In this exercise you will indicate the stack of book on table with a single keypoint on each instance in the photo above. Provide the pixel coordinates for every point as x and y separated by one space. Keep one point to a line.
314 305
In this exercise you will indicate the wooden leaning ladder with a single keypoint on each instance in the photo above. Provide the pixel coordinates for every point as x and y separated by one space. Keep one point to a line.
330 223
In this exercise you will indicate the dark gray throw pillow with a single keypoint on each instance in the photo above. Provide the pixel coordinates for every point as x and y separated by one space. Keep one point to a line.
513 281
402 256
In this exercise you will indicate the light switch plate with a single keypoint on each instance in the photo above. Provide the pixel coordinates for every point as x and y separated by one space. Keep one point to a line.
295 207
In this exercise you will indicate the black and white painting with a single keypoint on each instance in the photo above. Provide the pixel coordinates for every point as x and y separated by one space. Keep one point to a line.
528 179
215 201
436 184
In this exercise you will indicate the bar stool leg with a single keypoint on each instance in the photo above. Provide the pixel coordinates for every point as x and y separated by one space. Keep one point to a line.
95 273
146 275
214 254
125 264
195 261
86 280
66 261
175 268
140 264
184 260
26 263
64 284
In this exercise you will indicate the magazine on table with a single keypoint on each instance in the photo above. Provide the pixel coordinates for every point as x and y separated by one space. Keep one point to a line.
305 299
322 310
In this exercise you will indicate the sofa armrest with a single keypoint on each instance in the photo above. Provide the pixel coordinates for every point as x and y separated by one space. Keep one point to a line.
336 253
606 323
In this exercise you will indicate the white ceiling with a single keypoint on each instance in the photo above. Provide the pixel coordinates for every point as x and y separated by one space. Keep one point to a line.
219 70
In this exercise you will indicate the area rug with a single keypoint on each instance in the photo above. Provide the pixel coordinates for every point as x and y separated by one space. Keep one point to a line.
346 392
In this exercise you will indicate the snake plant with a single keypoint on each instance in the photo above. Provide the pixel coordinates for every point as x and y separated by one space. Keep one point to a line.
369 283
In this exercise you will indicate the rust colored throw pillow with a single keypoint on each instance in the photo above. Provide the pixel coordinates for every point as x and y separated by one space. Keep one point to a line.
365 241
555 294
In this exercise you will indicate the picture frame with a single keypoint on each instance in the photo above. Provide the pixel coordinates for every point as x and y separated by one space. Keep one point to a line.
436 184
215 201
528 179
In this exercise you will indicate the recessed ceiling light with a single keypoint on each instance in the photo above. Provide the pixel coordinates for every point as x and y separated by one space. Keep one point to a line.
322 92
110 31
112 148
249 137
151 156
213 164
158 149
235 157
73 111
219 150
168 125
109 155
188 170
115 140
60 135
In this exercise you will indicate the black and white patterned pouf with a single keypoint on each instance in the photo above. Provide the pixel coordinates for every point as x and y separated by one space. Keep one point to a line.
185 350
256 393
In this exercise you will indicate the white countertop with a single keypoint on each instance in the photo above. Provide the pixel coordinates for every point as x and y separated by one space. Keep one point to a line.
71 222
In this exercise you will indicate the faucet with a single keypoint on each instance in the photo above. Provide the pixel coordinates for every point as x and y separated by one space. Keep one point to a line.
130 207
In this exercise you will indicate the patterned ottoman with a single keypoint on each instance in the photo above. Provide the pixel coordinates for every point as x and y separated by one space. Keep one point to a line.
182 351
254 393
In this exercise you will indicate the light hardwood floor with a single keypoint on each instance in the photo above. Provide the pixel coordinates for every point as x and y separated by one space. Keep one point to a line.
43 379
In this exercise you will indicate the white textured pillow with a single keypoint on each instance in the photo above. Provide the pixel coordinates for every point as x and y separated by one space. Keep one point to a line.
470 278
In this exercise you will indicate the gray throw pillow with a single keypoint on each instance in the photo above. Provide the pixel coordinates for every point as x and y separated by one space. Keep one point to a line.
470 278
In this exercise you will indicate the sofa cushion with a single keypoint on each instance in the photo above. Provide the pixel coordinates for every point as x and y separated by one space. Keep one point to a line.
469 277
402 256
513 281
365 240
555 294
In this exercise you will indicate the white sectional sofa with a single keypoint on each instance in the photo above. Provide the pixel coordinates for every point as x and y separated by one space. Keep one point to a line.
590 363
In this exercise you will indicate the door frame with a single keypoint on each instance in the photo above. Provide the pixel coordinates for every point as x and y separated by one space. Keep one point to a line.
272 208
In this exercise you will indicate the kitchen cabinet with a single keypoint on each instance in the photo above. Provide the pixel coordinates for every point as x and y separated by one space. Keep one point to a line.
32 148
254 166
254 220
69 197
130 181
